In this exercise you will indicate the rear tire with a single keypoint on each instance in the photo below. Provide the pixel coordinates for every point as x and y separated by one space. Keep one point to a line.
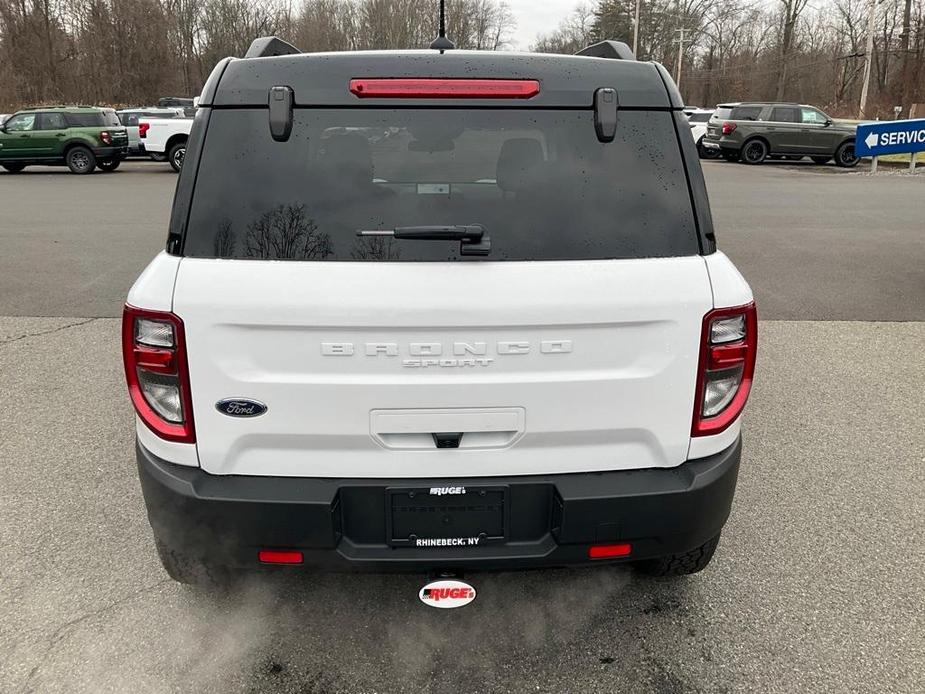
109 164
705 152
14 168
754 152
176 156
80 160
192 571
681 564
822 160
845 156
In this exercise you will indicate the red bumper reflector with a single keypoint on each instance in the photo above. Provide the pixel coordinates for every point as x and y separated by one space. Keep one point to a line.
422 88
609 551
275 556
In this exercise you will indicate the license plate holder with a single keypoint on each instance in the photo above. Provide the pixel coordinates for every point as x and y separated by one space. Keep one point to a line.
447 517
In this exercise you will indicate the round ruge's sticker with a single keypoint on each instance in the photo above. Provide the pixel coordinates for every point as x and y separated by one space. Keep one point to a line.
447 594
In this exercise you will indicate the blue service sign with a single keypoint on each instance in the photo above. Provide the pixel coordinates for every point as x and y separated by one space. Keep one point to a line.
890 137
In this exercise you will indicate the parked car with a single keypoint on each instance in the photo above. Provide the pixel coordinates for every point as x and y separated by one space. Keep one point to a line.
81 137
438 349
165 138
752 132
129 117
188 105
698 119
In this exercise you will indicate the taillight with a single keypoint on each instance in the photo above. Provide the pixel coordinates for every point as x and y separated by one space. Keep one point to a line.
729 342
424 88
105 138
154 352
143 129
728 128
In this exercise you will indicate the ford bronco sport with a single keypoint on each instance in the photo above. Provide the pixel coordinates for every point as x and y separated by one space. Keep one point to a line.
81 137
438 310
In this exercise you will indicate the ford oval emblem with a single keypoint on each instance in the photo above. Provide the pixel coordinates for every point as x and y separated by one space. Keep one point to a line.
240 407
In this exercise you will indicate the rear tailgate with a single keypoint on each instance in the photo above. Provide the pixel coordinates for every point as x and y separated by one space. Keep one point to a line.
578 366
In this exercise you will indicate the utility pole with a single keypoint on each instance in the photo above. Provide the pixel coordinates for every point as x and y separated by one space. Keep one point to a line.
636 30
681 41
868 58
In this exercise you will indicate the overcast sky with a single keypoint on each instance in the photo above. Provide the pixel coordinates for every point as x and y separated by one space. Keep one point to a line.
537 17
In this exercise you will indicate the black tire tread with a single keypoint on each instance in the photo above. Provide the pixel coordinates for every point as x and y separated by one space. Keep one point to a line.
681 564
92 157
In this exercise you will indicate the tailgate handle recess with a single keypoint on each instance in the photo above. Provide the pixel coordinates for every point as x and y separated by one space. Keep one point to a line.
464 428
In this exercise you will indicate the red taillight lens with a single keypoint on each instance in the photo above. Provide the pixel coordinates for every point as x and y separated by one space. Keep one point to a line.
729 345
275 556
609 551
143 129
421 88
105 138
728 128
154 353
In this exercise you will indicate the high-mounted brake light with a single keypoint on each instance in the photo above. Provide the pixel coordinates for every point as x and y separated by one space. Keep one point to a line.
729 345
143 129
428 88
154 353
728 128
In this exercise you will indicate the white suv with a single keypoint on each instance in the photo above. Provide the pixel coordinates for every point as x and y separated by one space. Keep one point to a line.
438 311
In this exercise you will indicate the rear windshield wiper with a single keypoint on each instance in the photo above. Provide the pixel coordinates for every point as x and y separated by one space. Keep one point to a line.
472 237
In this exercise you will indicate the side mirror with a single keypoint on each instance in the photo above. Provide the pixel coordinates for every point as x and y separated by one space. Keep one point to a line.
828 122
2 128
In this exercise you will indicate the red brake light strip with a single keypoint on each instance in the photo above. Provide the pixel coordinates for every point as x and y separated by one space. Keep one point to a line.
430 88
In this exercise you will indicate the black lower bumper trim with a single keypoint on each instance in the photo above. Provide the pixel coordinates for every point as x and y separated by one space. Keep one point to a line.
342 523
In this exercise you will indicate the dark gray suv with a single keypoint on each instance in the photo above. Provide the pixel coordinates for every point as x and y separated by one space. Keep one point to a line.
754 132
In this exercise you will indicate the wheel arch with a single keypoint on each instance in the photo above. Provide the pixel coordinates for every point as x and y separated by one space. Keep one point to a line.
175 140
752 138
75 142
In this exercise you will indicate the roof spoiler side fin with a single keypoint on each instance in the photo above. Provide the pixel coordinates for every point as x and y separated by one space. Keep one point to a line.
268 46
608 49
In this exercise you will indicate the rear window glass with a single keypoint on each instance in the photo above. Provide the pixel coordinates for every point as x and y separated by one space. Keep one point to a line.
722 113
97 119
699 117
539 181
746 112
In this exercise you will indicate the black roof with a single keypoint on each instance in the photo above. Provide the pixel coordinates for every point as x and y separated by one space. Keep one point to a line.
321 79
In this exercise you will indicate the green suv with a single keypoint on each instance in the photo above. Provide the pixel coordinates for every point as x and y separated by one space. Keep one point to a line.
81 137
753 132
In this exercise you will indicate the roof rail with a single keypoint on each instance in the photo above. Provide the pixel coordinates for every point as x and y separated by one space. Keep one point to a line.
267 46
51 106
608 49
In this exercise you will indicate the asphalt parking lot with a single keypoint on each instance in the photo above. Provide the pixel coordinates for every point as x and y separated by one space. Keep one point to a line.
817 586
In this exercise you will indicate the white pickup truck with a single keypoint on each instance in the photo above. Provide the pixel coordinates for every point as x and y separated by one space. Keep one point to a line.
165 138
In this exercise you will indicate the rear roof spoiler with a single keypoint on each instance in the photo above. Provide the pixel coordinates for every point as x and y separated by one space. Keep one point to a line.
608 49
269 46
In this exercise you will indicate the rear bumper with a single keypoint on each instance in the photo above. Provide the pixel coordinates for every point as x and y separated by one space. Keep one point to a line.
724 143
110 152
341 524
